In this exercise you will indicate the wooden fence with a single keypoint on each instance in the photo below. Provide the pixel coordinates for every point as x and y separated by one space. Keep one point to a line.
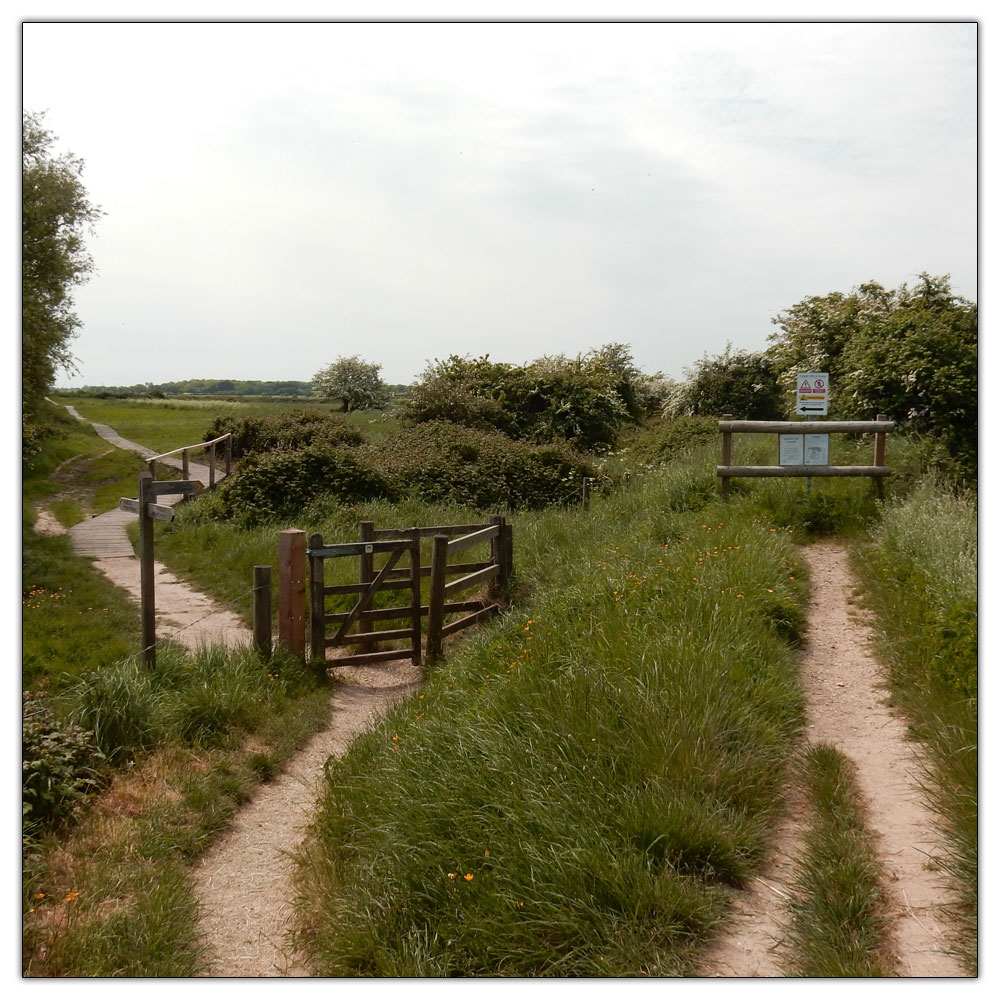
877 470
227 442
401 570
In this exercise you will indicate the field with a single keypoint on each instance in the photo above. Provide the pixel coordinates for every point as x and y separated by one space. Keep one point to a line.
581 785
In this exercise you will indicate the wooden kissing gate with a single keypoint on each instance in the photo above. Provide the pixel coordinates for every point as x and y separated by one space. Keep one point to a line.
401 570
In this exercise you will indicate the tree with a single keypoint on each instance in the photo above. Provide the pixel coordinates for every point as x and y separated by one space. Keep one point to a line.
742 383
55 214
356 383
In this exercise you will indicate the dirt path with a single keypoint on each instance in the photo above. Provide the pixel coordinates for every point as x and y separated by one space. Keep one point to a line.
846 707
244 881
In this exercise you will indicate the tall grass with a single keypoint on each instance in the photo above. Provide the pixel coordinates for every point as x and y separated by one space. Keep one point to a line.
838 911
920 578
579 784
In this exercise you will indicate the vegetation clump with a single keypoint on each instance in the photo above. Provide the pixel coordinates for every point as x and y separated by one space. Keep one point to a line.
254 434
61 765
582 401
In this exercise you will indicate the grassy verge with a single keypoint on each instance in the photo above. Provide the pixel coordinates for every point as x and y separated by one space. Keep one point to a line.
581 783
127 773
837 926
920 578
108 894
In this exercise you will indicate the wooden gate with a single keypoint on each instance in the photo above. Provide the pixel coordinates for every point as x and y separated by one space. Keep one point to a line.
387 578
394 544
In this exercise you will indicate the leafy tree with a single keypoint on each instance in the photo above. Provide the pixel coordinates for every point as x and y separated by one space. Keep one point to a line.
911 353
742 383
919 364
356 383
55 213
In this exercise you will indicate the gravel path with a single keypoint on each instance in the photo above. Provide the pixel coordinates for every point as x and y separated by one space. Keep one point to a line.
846 708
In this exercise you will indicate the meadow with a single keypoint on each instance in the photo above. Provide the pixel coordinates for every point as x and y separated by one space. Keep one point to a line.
582 783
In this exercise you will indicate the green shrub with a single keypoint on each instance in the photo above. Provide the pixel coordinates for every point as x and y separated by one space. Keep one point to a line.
666 440
446 463
295 429
279 484
60 765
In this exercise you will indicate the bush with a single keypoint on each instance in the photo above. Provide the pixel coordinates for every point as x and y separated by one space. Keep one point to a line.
253 435
279 484
60 764
446 463
583 401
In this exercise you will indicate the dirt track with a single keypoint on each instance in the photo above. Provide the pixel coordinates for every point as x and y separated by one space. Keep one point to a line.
845 707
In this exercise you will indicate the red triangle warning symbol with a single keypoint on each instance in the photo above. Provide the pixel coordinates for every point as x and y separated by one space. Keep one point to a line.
805 386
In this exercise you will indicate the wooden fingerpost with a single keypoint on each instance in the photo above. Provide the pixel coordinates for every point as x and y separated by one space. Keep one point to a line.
229 455
727 456
262 610
211 465
147 591
880 455
366 573
317 602
185 465
292 591
435 603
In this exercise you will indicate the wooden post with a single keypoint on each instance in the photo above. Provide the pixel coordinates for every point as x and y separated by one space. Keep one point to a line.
229 455
415 581
262 610
366 573
211 465
435 603
147 590
185 465
880 456
508 555
151 466
727 456
495 589
317 602
292 591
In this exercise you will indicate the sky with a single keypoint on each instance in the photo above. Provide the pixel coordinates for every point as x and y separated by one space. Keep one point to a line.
278 195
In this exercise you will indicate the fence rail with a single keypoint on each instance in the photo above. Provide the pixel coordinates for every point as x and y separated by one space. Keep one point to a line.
185 450
877 471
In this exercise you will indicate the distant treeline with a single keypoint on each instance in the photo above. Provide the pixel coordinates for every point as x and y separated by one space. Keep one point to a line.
206 387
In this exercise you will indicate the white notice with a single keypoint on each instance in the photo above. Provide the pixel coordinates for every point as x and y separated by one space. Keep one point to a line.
791 449
817 449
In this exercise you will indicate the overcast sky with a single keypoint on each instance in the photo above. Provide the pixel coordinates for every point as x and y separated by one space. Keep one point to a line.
281 194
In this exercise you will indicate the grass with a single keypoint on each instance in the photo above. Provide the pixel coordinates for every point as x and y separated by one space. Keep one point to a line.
838 911
580 784
920 577
165 424
109 894
72 618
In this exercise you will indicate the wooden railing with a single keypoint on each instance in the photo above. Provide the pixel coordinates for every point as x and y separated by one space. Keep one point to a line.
877 470
187 449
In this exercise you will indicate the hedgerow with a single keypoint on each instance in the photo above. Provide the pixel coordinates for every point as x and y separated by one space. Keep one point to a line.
295 429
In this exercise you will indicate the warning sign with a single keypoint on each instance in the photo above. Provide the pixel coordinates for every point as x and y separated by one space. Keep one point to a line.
812 394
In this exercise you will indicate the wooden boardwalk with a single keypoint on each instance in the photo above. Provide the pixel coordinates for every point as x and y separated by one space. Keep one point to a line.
104 536
182 614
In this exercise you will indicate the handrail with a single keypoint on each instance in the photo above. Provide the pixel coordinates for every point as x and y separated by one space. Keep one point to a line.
190 447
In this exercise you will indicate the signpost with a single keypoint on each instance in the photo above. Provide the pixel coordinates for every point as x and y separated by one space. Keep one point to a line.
149 512
812 394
